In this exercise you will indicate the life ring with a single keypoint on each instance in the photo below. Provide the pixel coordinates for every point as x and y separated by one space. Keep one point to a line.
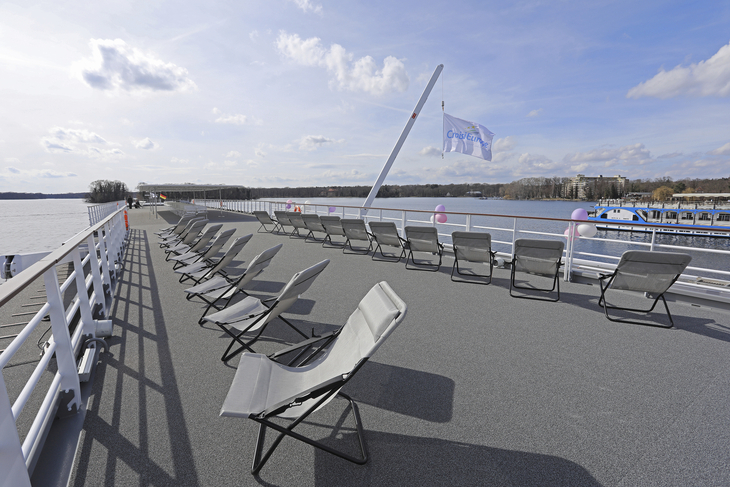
296 208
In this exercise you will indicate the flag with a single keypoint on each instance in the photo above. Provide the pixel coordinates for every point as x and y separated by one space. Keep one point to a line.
467 138
163 197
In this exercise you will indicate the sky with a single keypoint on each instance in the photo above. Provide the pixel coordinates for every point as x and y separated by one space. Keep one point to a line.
294 93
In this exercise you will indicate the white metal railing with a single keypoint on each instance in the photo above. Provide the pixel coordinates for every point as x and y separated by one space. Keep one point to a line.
98 212
105 240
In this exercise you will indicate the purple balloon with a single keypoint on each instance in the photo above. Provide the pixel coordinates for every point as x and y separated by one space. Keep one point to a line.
332 209
440 208
579 214
288 207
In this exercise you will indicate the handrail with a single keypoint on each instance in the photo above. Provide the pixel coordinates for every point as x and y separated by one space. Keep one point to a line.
106 239
98 212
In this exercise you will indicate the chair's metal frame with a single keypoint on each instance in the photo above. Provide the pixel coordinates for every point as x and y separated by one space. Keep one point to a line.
328 238
295 233
602 302
379 248
280 221
492 254
424 266
313 229
556 283
259 215
353 249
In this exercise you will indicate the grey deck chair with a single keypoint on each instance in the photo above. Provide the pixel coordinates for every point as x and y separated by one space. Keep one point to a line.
540 258
219 289
386 233
423 239
198 245
333 227
283 220
475 247
252 314
265 219
295 218
354 229
313 224
173 240
264 390
646 272
202 271
191 236
178 227
205 255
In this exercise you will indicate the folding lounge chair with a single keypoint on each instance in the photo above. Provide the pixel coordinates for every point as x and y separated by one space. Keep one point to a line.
196 246
202 271
283 220
473 247
173 240
540 258
647 272
265 219
251 314
313 224
297 222
219 289
192 234
386 233
423 239
333 227
178 227
205 255
354 229
265 390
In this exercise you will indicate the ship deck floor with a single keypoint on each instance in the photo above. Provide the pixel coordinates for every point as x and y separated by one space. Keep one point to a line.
473 388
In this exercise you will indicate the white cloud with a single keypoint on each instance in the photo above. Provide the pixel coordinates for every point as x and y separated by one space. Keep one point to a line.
721 151
312 142
232 154
253 35
361 75
535 113
146 144
259 153
430 151
706 78
13 170
505 144
630 155
307 5
40 173
77 141
235 119
115 66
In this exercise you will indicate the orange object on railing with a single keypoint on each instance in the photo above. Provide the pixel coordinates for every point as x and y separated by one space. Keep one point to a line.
126 219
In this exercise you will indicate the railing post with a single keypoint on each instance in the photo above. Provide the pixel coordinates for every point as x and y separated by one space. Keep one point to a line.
87 321
71 397
404 221
514 235
95 274
468 222
569 253
12 462
653 238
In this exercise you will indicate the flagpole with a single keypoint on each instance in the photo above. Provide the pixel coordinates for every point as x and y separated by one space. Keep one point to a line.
406 130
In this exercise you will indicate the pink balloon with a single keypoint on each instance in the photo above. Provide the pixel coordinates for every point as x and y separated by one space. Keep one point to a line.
579 214
440 218
575 232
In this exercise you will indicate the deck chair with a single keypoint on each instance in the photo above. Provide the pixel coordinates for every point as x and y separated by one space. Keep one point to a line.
386 233
199 244
219 289
283 220
296 220
333 227
206 254
313 224
354 229
475 247
173 240
178 227
265 219
647 272
540 258
264 390
423 239
251 314
202 271
192 235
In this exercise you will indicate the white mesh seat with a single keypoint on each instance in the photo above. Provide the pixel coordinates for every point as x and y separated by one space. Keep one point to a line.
265 219
333 227
174 239
540 258
177 228
386 233
283 220
206 254
475 247
354 229
296 220
221 289
313 224
251 314
423 239
195 232
202 271
264 389
645 272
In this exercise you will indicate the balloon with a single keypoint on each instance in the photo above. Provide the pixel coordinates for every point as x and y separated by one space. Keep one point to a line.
440 208
289 201
579 214
567 232
440 217
431 219
332 209
587 230
288 206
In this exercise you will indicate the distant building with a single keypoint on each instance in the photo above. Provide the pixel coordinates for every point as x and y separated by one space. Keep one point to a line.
580 183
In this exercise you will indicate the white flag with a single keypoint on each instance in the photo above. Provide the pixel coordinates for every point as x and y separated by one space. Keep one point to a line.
467 138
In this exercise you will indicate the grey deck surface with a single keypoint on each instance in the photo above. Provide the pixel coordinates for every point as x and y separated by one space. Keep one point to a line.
474 388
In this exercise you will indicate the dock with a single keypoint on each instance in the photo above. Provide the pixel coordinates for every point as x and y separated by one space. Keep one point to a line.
473 388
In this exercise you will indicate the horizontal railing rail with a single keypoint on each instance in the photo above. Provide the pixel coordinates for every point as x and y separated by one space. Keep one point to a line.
99 249
98 212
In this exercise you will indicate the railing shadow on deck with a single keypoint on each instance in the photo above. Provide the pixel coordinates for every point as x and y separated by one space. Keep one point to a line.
134 333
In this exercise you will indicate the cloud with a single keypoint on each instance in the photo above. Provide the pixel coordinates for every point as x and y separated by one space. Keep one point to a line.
361 75
535 113
13 170
235 119
115 66
232 154
430 151
42 173
259 153
76 135
146 144
505 144
312 142
706 78
77 141
307 6
253 35
630 155
721 151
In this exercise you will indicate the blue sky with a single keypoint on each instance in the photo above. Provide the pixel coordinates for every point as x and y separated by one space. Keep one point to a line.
313 92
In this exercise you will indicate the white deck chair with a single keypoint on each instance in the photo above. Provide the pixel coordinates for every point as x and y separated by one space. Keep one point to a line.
191 236
333 227
220 289
313 224
198 245
178 227
202 271
475 247
252 314
386 233
540 258
264 390
283 221
645 272
173 240
354 229
423 239
295 218
207 253
265 219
